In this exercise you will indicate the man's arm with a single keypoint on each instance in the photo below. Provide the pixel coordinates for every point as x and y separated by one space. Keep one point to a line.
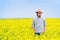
33 24
44 24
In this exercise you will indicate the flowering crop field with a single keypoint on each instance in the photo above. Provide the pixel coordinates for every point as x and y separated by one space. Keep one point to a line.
21 29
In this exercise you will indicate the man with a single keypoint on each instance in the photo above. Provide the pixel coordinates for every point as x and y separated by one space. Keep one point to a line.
38 23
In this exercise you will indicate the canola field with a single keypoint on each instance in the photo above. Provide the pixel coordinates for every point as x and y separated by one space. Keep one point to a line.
21 29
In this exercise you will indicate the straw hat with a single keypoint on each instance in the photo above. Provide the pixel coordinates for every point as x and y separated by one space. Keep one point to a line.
39 11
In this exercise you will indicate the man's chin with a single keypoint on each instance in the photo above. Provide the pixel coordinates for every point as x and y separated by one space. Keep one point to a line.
39 16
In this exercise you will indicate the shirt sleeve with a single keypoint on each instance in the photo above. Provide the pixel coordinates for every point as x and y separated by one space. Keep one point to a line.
44 24
33 23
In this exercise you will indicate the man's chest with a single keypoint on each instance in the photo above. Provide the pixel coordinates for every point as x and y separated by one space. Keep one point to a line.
38 21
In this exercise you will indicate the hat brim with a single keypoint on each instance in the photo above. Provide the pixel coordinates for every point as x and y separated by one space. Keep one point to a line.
39 12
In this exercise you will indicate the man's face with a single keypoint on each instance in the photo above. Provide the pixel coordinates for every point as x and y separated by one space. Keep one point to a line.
38 14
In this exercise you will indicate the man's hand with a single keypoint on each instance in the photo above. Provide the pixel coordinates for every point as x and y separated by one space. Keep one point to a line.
33 29
44 28
44 31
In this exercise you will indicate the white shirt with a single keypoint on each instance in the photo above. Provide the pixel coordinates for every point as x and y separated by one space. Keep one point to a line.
38 25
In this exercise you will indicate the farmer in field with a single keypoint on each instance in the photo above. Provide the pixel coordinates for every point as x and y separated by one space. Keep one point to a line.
38 23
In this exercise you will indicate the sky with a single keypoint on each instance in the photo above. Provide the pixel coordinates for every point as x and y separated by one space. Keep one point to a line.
27 8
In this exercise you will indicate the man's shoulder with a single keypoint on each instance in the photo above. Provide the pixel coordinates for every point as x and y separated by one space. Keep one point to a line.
34 18
42 18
